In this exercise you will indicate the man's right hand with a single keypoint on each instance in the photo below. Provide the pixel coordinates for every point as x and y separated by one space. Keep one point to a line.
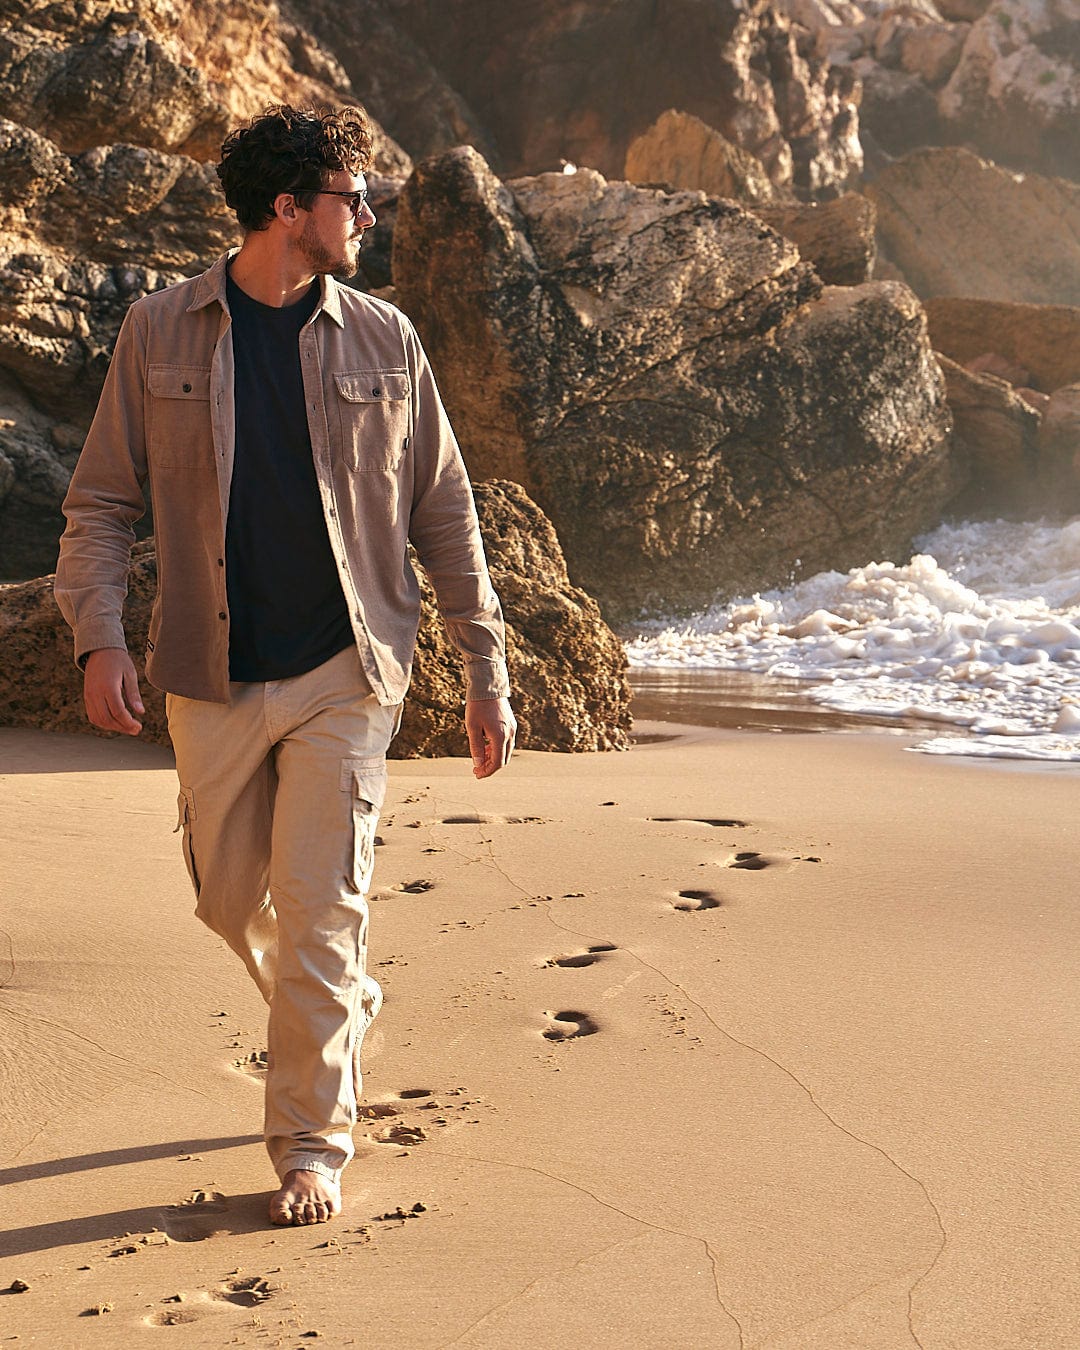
111 691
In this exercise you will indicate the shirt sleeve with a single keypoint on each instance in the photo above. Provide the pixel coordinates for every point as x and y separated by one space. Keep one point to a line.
444 530
104 500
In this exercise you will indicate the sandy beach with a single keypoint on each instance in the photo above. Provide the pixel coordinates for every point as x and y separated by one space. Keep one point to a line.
733 1040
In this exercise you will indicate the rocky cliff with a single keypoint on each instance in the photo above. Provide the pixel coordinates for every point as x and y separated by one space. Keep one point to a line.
108 120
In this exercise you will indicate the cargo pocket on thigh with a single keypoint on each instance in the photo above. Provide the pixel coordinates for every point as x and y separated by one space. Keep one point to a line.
365 781
185 804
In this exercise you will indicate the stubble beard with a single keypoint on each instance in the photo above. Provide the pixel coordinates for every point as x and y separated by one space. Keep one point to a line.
322 261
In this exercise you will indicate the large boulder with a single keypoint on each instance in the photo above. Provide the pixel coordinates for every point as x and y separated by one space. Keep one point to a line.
958 225
670 381
567 668
1015 92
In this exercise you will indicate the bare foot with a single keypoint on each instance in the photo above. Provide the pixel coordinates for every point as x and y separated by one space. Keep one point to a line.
305 1197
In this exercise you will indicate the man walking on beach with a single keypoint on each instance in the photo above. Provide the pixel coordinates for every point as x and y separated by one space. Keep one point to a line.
294 442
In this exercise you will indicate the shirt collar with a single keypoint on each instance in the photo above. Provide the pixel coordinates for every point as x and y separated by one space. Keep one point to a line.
210 286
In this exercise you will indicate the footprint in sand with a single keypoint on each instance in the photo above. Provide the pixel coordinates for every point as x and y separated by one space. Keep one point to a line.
568 1025
577 960
172 1317
402 1134
699 820
692 902
246 1291
254 1065
199 1217
750 862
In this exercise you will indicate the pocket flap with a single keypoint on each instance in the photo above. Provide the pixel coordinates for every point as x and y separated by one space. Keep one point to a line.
179 381
372 386
367 777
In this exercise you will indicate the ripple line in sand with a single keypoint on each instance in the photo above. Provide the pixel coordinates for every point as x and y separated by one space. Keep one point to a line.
11 959
606 1204
808 1092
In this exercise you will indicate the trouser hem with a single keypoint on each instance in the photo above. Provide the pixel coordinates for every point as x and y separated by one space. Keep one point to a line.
307 1163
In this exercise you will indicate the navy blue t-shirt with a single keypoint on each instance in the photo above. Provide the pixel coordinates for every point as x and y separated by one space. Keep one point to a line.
287 609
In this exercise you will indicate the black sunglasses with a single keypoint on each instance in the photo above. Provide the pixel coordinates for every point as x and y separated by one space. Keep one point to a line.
356 200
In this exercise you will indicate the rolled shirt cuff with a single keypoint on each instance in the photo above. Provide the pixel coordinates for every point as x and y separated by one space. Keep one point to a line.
93 634
486 680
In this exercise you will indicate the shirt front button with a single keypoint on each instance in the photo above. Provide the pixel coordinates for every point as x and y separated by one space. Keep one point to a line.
221 562
222 615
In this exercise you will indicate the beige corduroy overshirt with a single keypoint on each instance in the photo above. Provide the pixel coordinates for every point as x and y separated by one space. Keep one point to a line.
388 467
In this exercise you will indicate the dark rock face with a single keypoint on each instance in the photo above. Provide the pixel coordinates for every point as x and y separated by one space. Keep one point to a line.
567 668
668 379
532 82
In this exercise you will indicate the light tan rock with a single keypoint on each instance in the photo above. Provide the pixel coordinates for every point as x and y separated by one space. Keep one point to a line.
956 224
682 152
1016 89
1042 341
817 14
932 50
177 65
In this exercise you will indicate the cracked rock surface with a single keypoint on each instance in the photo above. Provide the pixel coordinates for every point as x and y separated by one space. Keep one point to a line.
670 380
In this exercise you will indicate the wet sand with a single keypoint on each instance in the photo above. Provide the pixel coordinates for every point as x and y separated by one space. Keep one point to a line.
736 1039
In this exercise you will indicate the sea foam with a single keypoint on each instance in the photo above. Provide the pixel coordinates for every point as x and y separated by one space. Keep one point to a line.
980 630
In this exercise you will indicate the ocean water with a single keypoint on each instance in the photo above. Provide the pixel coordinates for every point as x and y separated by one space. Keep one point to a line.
979 631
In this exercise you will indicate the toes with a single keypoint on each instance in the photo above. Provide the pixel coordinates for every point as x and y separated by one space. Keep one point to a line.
281 1214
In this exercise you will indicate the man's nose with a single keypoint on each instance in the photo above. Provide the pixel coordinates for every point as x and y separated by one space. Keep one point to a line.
366 217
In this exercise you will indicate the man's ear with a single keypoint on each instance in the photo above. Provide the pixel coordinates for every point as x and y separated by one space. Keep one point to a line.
286 209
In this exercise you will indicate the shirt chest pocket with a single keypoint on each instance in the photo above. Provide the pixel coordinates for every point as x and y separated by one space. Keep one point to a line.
373 418
180 433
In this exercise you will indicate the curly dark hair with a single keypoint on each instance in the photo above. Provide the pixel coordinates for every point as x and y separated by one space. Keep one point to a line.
288 149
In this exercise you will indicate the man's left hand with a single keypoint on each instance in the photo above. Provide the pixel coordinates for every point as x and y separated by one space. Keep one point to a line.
491 726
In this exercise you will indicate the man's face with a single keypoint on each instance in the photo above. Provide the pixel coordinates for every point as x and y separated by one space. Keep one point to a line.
330 239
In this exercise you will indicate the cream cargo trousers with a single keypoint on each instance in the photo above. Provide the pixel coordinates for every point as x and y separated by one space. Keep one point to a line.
280 791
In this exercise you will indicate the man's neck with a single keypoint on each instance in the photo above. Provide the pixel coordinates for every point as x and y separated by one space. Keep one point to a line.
268 275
